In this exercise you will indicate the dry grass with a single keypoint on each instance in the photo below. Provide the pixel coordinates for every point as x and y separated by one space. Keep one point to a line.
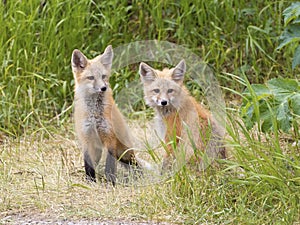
42 176
45 175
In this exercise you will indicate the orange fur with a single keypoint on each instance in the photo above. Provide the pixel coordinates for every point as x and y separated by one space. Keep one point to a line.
181 113
98 122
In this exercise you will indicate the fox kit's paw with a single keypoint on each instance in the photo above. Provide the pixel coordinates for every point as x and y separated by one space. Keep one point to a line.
222 153
168 165
90 174
90 179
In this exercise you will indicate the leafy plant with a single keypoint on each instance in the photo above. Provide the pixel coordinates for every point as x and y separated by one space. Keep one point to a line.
278 99
291 33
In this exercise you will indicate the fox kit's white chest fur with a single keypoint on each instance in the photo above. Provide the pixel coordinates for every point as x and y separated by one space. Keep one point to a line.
96 118
89 116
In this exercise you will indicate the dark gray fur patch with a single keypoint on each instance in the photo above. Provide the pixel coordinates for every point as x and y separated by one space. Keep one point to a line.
166 110
96 108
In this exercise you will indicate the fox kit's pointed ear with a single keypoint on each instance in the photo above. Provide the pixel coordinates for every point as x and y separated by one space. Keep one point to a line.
107 57
78 61
179 71
147 73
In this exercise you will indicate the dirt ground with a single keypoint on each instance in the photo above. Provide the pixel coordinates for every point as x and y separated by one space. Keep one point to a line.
19 219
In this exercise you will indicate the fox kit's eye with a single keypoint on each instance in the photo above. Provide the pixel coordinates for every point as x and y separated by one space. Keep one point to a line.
104 77
90 77
170 90
156 90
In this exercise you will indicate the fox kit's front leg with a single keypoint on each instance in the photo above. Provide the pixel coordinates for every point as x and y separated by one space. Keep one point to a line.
89 168
92 154
111 167
173 132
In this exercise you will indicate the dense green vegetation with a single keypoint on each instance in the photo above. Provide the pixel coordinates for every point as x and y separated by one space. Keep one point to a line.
258 184
38 37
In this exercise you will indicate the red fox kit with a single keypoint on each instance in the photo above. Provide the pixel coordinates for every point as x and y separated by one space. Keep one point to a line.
98 122
179 114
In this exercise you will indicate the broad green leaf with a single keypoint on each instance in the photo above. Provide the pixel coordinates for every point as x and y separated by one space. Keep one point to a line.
283 117
249 118
248 11
284 125
260 90
283 85
296 21
266 125
282 111
289 35
296 59
278 100
247 114
291 13
295 104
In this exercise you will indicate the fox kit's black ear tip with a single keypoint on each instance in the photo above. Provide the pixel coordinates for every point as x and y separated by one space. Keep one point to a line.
143 69
76 52
147 73
181 67
181 64
142 65
179 71
109 49
78 59
107 57
182 61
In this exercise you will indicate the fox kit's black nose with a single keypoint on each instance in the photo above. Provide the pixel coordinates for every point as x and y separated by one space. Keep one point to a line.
103 88
164 102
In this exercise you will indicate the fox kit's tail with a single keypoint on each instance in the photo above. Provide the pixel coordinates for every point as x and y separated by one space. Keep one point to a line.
144 164
215 148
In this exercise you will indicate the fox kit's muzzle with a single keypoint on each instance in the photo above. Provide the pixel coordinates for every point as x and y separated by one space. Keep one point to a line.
100 88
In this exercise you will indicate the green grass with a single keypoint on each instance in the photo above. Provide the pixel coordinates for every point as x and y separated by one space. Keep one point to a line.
259 183
41 168
37 42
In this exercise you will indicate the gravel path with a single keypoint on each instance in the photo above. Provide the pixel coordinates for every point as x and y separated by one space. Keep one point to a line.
37 220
